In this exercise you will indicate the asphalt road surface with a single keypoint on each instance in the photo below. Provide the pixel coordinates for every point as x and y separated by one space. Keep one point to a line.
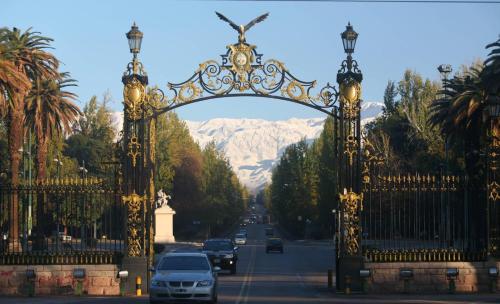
297 276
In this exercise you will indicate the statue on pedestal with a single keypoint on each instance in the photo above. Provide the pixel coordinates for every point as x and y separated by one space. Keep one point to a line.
162 200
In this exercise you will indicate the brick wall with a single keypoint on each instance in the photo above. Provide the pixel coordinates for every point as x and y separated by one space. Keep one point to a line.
430 277
58 280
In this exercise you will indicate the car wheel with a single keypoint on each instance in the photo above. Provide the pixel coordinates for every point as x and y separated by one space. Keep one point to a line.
233 269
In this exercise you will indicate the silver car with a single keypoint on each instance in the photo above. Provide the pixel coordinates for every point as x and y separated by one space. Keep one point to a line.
186 276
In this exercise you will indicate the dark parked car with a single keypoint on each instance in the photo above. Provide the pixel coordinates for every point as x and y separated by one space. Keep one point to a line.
222 253
274 244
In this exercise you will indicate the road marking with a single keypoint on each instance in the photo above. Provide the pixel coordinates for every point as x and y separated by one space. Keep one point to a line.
301 280
247 281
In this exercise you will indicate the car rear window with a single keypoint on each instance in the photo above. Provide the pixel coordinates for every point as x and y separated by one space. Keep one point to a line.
217 245
184 263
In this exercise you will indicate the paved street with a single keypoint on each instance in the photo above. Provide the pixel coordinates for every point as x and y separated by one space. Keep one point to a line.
297 276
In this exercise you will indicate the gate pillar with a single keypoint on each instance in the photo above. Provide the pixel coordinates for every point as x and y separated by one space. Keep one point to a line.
349 254
138 168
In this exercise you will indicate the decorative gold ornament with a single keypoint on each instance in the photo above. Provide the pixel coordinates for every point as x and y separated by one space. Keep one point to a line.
134 149
135 204
191 89
494 191
295 91
352 204
351 148
241 57
350 93
133 94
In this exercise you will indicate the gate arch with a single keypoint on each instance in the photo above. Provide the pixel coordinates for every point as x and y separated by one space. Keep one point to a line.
241 73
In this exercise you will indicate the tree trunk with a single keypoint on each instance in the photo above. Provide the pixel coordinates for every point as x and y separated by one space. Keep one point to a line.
16 131
41 156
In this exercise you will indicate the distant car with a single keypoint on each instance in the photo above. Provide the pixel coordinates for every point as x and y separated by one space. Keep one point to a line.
240 239
222 253
274 244
243 224
185 277
269 231
64 237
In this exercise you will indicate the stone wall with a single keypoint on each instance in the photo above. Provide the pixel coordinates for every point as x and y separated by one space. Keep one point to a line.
58 280
430 277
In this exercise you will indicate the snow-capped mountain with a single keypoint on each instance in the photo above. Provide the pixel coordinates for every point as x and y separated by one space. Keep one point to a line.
253 146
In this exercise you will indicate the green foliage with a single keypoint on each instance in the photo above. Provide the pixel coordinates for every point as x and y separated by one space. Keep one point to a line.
92 142
302 193
403 134
202 184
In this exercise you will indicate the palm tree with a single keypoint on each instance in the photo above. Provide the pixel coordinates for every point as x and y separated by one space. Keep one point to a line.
11 80
50 111
27 55
460 111
491 71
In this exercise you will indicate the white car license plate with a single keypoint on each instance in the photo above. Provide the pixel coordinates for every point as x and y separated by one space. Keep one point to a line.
216 260
181 290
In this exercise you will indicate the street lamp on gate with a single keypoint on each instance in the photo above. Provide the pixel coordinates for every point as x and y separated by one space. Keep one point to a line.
349 37
134 37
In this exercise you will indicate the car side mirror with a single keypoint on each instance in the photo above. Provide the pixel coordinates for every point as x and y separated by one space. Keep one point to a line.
217 269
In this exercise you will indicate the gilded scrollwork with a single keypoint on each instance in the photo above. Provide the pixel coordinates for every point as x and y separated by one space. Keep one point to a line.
352 205
351 148
242 73
494 190
135 207
350 94
134 96
134 149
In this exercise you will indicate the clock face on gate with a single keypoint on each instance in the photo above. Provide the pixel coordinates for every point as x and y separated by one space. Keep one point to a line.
240 59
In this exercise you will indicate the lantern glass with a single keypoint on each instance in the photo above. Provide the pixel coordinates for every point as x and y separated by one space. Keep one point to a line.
134 37
349 37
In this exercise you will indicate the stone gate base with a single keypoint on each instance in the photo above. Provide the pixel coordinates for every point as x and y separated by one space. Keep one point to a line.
58 280
430 277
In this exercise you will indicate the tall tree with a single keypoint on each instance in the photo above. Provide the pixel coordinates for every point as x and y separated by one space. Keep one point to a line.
93 141
50 112
390 94
27 53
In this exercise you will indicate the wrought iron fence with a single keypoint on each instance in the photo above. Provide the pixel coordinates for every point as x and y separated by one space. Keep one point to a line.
414 217
70 221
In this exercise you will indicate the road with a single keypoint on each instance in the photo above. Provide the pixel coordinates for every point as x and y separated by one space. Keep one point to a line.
297 276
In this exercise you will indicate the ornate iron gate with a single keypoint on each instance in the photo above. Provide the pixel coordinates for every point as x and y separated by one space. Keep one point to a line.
241 73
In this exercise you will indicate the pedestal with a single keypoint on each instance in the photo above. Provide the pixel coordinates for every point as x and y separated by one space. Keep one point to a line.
349 266
164 225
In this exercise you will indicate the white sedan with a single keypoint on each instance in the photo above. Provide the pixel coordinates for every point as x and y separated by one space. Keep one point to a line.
186 277
240 239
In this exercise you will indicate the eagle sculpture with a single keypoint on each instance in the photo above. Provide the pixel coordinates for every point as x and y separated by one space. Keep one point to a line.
242 29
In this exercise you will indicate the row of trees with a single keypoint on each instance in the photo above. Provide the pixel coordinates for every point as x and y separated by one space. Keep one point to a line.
207 195
426 126
302 193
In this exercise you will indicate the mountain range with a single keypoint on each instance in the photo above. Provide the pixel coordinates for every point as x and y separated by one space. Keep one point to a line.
254 146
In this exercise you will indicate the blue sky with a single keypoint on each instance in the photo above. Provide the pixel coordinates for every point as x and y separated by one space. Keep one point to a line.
178 35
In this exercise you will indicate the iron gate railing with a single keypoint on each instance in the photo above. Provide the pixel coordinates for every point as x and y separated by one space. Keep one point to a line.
61 221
